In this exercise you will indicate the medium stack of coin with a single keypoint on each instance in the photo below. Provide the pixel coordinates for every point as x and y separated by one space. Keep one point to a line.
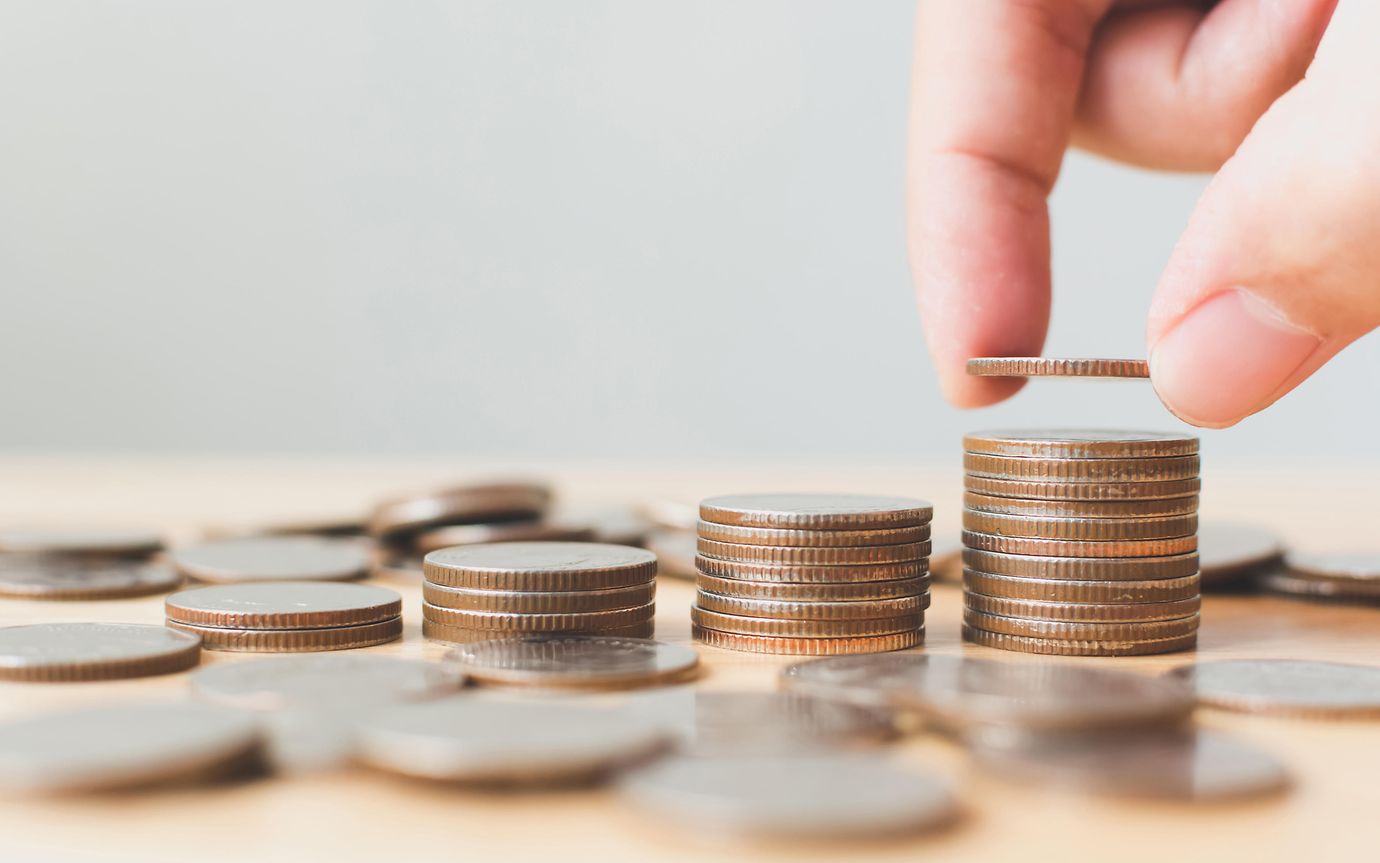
812 574
512 589
1081 542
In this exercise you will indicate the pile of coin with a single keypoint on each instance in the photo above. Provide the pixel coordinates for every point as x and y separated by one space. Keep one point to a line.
1081 542
81 564
812 574
510 589
287 616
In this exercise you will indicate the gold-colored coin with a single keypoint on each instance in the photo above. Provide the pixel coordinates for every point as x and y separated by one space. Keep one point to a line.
1089 491
812 538
1078 367
1086 529
1079 548
812 610
537 602
796 511
805 628
1059 647
809 646
1108 612
1080 443
1099 470
1086 509
1097 592
844 592
802 574
434 631
797 556
1082 631
538 622
293 640
1082 568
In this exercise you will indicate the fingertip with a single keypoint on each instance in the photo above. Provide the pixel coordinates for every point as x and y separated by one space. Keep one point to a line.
966 391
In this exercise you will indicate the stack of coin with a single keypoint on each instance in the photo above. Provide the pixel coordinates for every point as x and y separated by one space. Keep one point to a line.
1081 542
510 589
812 574
287 616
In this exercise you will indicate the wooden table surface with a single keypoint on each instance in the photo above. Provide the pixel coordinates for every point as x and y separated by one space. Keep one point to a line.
1330 812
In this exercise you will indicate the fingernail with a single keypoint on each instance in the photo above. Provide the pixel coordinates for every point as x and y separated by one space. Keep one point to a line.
1227 357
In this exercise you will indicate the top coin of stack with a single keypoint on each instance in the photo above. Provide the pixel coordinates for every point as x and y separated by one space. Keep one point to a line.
812 574
1081 542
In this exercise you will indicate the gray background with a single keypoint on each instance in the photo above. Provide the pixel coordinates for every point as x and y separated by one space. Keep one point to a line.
546 229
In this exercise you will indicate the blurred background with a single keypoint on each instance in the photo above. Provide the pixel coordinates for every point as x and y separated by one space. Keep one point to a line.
576 230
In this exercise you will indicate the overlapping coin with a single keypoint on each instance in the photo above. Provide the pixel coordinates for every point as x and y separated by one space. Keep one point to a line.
285 616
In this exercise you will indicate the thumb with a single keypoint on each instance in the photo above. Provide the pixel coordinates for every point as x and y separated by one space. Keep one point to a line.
1279 268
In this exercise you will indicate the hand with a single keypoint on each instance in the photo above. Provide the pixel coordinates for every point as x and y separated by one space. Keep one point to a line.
1279 267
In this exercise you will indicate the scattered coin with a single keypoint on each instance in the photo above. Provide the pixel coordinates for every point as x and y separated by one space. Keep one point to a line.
780 573
1082 569
1080 443
621 526
675 552
283 605
98 541
718 723
1075 548
1286 687
1330 590
294 640
672 515
1068 591
813 538
407 570
1083 491
1092 470
779 628
1029 367
333 681
812 609
1112 612
404 515
539 602
93 651
1065 630
840 592
797 556
273 558
1093 529
529 623
55 577
122 746
435 631
1345 566
552 566
815 511
512 531
1064 647
809 646
575 661
1227 550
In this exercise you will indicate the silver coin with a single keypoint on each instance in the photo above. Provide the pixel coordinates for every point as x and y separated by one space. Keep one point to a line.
1169 764
1227 549
575 661
122 746
1285 686
1340 566
471 740
800 511
53 577
958 694
336 681
767 722
118 542
274 558
283 605
809 797
93 651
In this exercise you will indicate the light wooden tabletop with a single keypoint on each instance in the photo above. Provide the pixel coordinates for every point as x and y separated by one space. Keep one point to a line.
1328 813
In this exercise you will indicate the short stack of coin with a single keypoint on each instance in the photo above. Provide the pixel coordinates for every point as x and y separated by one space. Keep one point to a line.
513 589
1081 542
812 574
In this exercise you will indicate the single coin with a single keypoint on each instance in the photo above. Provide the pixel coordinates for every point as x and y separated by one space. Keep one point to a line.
1080 443
845 592
98 541
1088 529
796 797
335 681
812 609
492 620
400 516
540 566
1089 470
1062 647
512 531
779 573
1177 764
1081 568
676 516
812 538
407 570
797 556
122 746
1066 591
60 577
93 651
1084 509
816 511
293 640
623 526
575 661
340 525
539 602
805 628
808 646
1286 687
1228 549
1079 548
960 693
717 723
675 552
283 605
1063 630
464 739
434 631
1340 567
273 558
1030 367
1082 491
1116 612
1329 590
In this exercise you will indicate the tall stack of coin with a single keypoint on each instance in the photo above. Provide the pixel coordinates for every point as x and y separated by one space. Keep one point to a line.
812 574
1081 542
510 589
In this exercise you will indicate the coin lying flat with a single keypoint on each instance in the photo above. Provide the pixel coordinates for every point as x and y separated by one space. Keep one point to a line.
1345 566
1082 630
675 552
294 640
435 631
512 531
406 570
283 605
812 609
540 566
782 573
805 628
1067 591
812 538
1286 687
808 646
961 693
1029 367
1329 590
93 651
1227 549
539 602
1082 491
100 541
122 746
1028 545
795 796
273 558
575 661
468 740
1084 509
467 504
1065 647
527 623
1080 443
842 592
798 556
1091 470
333 681
1081 569
52 577
1093 529
793 511
1113 612
716 723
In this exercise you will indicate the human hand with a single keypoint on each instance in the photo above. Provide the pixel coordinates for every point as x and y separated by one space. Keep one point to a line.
1279 267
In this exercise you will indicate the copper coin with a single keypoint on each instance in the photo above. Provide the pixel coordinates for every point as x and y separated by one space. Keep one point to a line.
808 646
283 605
1064 647
1286 687
776 573
714 723
334 681
273 558
797 556
294 640
1228 549
1116 612
1030 367
843 592
1068 591
53 577
99 541
575 661
812 538
434 631
1088 491
1080 443
777 628
1079 548
1081 568
93 651
1065 630
1084 509
794 511
812 609
535 602
512 531
675 552
540 566
406 514
586 622
1090 470
1089 529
